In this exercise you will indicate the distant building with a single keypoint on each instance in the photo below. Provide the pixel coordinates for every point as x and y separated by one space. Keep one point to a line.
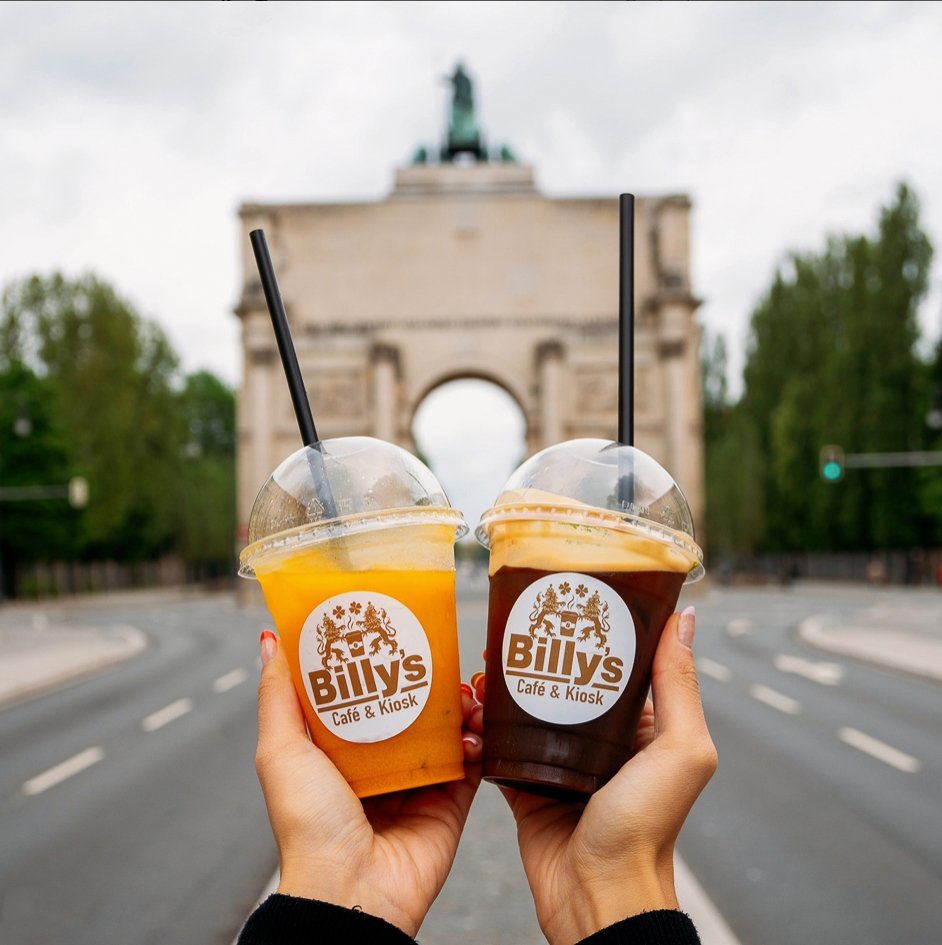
467 270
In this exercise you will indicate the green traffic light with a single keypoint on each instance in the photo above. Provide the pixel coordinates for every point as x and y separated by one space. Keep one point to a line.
832 471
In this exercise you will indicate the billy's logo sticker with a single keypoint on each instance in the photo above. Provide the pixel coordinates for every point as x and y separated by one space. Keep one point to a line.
366 665
569 646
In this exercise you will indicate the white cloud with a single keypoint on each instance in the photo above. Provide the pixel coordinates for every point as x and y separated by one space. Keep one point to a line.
130 133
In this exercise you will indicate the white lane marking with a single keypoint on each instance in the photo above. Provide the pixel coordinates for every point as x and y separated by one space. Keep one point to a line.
711 926
166 715
716 670
230 680
740 627
81 761
828 674
879 750
775 699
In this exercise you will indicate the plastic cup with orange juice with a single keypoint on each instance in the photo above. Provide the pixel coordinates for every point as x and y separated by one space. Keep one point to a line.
364 603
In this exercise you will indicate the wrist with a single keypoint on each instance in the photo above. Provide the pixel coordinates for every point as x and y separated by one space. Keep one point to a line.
326 883
596 904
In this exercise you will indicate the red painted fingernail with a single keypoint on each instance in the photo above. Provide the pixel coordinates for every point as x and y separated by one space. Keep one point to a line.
484 654
476 679
472 741
268 642
466 689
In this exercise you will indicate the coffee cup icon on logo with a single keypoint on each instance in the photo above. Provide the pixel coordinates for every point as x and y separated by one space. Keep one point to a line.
354 640
567 623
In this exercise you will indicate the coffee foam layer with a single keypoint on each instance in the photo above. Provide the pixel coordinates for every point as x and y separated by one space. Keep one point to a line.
549 545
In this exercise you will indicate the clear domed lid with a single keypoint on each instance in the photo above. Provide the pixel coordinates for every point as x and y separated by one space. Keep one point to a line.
343 486
598 482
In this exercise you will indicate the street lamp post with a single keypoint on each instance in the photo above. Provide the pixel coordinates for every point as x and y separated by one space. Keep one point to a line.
22 427
75 490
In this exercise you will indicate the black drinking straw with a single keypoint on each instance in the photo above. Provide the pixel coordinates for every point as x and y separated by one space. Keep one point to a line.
289 359
626 320
626 343
279 321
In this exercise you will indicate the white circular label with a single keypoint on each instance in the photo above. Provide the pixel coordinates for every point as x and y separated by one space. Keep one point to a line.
569 646
366 664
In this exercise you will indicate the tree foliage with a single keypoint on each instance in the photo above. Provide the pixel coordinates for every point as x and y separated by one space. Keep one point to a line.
207 511
34 449
122 418
832 359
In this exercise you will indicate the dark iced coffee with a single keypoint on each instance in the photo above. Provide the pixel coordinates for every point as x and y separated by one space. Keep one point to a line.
579 595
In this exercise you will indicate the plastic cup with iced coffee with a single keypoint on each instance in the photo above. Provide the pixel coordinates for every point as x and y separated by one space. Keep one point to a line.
590 544
352 541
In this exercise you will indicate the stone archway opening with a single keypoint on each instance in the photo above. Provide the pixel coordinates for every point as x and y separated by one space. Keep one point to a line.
473 434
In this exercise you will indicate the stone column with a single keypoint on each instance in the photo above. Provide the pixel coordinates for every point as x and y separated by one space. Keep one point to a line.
260 410
678 421
549 360
385 359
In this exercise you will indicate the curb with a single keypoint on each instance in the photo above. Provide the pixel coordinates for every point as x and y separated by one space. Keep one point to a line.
870 647
101 599
134 640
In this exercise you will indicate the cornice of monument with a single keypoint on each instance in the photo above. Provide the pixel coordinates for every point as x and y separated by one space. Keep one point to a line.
485 179
591 323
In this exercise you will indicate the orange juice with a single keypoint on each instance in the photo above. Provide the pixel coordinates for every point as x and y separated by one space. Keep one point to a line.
369 626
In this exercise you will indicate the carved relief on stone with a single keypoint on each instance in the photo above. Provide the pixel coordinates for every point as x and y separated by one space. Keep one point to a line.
671 349
262 357
597 390
338 395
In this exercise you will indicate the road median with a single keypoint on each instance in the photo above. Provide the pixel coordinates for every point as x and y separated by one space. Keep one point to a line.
37 658
889 647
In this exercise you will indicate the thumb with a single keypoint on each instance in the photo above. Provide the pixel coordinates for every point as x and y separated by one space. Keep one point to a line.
678 709
280 719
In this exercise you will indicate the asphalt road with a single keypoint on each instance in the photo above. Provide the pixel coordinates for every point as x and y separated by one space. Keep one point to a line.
157 832
823 823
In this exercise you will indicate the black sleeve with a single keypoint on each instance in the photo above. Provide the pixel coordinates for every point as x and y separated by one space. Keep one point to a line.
663 927
287 920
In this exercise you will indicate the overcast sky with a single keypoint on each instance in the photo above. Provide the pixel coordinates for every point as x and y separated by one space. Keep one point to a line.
131 132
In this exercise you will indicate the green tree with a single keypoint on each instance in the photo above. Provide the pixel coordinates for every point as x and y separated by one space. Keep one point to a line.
112 373
733 463
832 358
207 520
34 451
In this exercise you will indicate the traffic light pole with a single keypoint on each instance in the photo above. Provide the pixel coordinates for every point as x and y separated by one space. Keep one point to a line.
886 460
832 461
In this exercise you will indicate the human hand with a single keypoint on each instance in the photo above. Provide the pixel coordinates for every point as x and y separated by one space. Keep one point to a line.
389 855
590 864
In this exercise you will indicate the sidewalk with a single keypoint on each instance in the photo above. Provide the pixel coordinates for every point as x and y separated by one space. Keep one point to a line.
902 632
41 648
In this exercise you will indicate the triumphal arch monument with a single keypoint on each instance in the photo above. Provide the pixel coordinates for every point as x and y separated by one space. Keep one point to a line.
467 270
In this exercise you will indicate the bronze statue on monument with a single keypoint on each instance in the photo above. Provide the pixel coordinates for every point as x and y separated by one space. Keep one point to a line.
463 136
